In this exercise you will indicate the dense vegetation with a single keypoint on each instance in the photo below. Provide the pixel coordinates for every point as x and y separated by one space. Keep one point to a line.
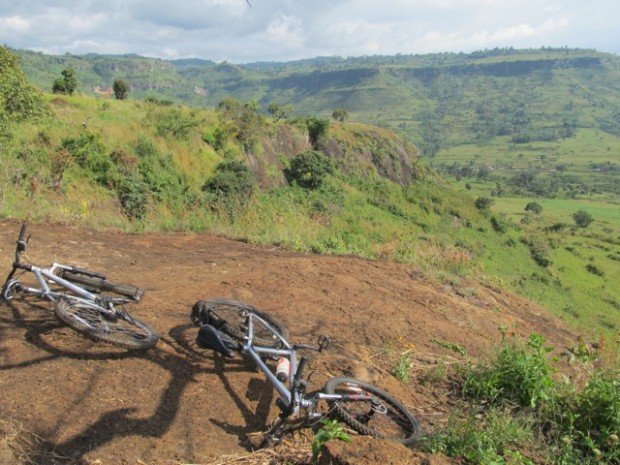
519 409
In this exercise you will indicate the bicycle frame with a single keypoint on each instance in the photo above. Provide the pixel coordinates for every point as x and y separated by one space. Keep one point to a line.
43 275
292 397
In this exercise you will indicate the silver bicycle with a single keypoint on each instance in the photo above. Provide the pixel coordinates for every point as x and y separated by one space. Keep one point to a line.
227 326
81 300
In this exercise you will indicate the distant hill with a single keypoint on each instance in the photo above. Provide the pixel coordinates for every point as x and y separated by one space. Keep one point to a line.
409 93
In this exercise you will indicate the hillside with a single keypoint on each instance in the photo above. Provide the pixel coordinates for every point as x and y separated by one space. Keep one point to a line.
148 167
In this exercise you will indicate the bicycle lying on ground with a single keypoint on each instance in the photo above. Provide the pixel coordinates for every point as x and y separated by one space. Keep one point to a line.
227 326
79 300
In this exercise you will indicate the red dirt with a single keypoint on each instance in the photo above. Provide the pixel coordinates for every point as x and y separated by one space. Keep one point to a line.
94 402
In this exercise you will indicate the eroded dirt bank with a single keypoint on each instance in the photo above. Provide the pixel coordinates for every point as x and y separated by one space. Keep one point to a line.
173 403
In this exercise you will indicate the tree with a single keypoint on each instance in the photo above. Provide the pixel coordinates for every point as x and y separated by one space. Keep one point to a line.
317 130
120 88
19 100
484 203
278 111
308 169
65 84
534 207
340 114
582 218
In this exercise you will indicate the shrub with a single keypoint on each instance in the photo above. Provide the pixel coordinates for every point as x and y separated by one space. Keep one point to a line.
534 207
402 366
65 84
172 122
120 89
484 203
582 218
133 196
587 423
308 169
340 114
539 251
590 268
89 152
519 374
317 130
499 223
488 440
231 179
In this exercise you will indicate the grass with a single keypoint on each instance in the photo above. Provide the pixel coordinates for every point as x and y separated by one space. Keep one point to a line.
516 410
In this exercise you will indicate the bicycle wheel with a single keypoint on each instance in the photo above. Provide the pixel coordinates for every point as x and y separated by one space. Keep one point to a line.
89 319
103 285
383 417
230 317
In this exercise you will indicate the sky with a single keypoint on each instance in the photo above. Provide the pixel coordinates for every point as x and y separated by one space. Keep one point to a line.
282 30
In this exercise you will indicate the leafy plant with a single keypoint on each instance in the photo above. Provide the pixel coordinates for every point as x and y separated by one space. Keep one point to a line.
65 84
484 203
582 218
308 169
330 430
231 179
519 374
534 207
402 366
120 88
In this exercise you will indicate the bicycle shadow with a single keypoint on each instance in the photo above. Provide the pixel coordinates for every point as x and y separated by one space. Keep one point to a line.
181 359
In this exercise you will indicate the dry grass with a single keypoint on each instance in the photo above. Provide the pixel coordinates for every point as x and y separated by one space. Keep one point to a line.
21 447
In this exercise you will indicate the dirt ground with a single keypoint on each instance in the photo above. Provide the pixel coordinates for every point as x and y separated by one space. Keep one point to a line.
176 404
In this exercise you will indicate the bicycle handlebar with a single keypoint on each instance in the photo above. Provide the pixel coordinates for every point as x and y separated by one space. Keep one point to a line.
22 232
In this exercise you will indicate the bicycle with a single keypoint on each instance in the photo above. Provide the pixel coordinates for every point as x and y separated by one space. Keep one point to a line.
78 298
228 326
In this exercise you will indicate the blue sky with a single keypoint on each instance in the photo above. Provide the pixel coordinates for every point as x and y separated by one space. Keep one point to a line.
291 29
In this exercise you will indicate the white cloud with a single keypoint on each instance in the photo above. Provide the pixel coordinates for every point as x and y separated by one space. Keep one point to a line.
14 24
289 29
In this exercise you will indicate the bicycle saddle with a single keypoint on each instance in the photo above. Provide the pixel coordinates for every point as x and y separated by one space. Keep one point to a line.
210 338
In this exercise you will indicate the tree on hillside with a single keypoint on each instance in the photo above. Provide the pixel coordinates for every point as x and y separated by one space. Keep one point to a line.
340 114
120 88
317 130
484 203
19 100
278 111
242 121
308 169
582 218
534 207
65 84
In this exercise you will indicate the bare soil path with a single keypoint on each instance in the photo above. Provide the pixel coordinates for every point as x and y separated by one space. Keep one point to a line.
94 402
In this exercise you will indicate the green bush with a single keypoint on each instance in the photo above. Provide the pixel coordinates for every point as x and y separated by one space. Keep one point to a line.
499 223
133 196
586 424
534 207
231 179
539 251
90 153
484 440
484 203
308 169
582 218
158 171
317 130
173 122
518 375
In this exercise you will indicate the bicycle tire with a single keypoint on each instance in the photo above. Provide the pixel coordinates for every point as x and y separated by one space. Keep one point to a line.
87 318
103 285
395 424
234 324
